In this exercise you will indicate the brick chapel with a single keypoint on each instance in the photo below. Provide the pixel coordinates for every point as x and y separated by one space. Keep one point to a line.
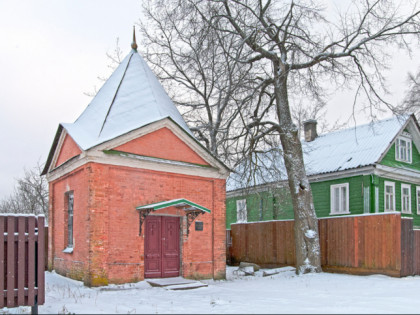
133 194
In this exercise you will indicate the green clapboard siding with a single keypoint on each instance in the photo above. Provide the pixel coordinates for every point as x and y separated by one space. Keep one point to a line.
321 195
262 206
277 205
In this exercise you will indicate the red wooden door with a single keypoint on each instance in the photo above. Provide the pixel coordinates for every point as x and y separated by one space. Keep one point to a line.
161 249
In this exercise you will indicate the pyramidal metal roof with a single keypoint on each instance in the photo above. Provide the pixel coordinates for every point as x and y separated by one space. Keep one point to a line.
131 98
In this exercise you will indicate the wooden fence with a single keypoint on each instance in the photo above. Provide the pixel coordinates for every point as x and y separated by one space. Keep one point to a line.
366 244
22 260
228 247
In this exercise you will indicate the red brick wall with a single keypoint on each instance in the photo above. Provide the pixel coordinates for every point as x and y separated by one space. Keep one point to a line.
162 144
69 149
74 264
107 222
129 188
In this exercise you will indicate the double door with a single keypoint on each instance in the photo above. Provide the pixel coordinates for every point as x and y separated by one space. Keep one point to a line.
161 248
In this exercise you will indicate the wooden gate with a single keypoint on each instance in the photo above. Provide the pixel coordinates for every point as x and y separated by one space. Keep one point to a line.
161 247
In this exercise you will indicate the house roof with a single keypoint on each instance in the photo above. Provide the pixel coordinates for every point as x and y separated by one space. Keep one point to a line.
352 148
346 149
131 98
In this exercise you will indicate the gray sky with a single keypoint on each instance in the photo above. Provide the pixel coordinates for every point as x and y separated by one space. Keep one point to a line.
51 52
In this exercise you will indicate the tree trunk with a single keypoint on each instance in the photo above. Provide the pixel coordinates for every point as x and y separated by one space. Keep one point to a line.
306 223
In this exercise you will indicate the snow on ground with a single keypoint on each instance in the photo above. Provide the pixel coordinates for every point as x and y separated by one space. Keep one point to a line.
281 293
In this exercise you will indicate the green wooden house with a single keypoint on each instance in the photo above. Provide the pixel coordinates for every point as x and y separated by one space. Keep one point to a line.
372 168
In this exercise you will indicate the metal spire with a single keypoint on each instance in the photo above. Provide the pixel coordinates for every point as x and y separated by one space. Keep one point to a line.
134 43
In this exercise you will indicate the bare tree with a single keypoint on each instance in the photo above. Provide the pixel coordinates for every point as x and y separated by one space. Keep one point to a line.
302 51
201 70
411 102
30 194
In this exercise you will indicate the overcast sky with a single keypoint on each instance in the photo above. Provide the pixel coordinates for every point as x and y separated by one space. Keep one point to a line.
53 51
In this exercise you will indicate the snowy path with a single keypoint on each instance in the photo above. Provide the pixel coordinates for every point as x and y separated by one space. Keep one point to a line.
281 293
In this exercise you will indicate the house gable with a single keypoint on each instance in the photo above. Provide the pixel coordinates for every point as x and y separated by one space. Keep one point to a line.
389 158
409 131
162 144
67 150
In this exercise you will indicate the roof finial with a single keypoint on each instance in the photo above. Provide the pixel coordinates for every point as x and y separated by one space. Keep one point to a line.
134 43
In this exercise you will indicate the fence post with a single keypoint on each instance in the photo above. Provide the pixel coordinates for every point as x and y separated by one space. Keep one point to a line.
2 260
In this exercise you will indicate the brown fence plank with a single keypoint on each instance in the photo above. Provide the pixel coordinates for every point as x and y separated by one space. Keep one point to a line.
2 261
416 256
41 260
31 261
275 242
21 261
290 242
10 261
406 247
323 240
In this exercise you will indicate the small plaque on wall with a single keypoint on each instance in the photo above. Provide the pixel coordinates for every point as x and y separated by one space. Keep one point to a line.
198 225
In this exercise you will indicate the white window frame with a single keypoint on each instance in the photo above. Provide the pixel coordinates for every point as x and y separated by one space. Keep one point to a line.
332 199
418 199
69 198
406 186
241 211
399 151
366 199
391 184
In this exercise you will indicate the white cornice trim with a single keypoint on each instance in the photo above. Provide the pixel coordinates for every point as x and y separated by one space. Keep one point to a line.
401 174
366 170
137 162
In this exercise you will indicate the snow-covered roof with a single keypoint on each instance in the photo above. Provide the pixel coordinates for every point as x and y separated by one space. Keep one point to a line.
346 149
131 98
351 148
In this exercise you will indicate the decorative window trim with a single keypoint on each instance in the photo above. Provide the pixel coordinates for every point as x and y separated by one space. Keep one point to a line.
408 149
241 211
332 199
408 211
391 184
418 199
